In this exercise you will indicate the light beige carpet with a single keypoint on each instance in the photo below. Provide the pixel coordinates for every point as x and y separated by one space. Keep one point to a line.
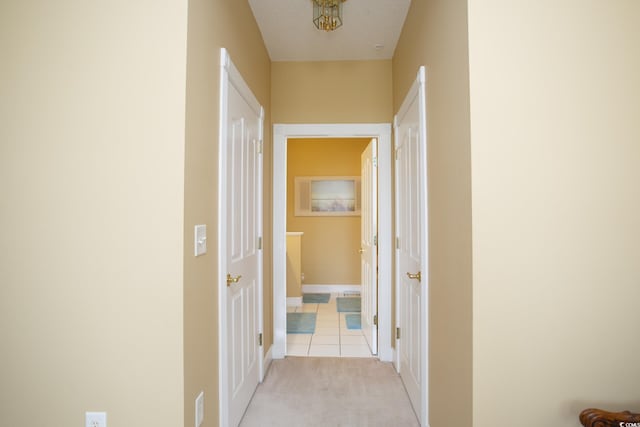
325 391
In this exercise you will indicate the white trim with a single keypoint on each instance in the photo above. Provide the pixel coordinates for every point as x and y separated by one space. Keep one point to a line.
394 358
294 301
424 365
267 361
229 74
338 289
260 235
281 132
221 249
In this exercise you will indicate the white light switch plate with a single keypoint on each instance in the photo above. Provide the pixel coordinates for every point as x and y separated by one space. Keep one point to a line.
200 240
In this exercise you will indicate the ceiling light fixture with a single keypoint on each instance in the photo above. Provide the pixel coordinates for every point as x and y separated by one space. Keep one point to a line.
327 14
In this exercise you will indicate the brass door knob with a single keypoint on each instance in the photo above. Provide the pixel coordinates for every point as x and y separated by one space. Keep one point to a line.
231 279
417 276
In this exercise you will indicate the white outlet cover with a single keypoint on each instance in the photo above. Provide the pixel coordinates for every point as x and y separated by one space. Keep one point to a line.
95 419
200 409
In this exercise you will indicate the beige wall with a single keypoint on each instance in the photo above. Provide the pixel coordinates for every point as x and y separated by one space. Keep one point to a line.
556 231
331 92
330 244
103 306
435 35
91 211
212 25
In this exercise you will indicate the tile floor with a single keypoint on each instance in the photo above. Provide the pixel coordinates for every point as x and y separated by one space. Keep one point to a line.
331 338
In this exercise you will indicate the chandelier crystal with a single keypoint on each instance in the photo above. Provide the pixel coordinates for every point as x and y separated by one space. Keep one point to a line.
327 14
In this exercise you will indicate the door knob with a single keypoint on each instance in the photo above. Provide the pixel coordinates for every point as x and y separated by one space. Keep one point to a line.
417 276
231 279
361 250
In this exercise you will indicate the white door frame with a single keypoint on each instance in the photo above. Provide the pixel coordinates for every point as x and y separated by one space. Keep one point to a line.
230 75
381 131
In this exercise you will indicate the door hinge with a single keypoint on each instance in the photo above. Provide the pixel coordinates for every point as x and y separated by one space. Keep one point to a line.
375 240
375 162
260 146
375 319
398 333
397 150
260 242
260 339
397 243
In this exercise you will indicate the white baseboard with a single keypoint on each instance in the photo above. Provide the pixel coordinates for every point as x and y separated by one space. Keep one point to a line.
294 301
278 349
330 288
394 359
268 358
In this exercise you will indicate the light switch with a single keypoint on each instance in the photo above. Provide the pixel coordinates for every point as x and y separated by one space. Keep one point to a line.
200 240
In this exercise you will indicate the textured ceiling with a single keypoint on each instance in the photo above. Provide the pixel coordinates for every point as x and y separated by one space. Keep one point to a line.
370 30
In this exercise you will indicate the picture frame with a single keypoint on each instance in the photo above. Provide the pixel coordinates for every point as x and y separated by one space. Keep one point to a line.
327 196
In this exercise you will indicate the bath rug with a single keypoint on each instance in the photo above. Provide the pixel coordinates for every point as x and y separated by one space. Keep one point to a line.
353 321
348 304
315 298
301 323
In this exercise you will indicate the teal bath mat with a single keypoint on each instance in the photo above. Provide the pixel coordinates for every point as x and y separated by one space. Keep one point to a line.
301 323
348 304
353 321
316 298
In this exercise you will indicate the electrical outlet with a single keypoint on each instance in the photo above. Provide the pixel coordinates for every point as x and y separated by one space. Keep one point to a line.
199 409
200 238
95 419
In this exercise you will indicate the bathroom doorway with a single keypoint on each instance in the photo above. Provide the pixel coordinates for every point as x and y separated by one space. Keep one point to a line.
325 213
331 134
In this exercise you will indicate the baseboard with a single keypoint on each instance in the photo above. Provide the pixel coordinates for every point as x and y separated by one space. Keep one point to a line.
294 301
394 359
331 288
278 349
268 358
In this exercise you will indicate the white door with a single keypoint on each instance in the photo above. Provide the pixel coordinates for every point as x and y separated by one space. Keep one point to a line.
368 245
241 227
411 246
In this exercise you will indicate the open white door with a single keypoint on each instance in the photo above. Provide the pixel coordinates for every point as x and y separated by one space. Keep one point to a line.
411 246
240 254
368 245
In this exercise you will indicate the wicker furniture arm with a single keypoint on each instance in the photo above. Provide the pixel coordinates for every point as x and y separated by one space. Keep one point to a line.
598 418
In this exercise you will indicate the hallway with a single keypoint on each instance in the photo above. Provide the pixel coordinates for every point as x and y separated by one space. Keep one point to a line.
326 392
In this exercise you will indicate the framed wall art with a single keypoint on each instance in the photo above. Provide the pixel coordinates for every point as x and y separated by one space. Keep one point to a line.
327 196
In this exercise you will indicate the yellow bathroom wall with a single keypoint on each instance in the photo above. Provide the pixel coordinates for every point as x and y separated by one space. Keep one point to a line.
294 265
329 244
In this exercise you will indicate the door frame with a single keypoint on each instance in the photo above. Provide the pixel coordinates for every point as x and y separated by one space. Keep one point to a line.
281 133
229 75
